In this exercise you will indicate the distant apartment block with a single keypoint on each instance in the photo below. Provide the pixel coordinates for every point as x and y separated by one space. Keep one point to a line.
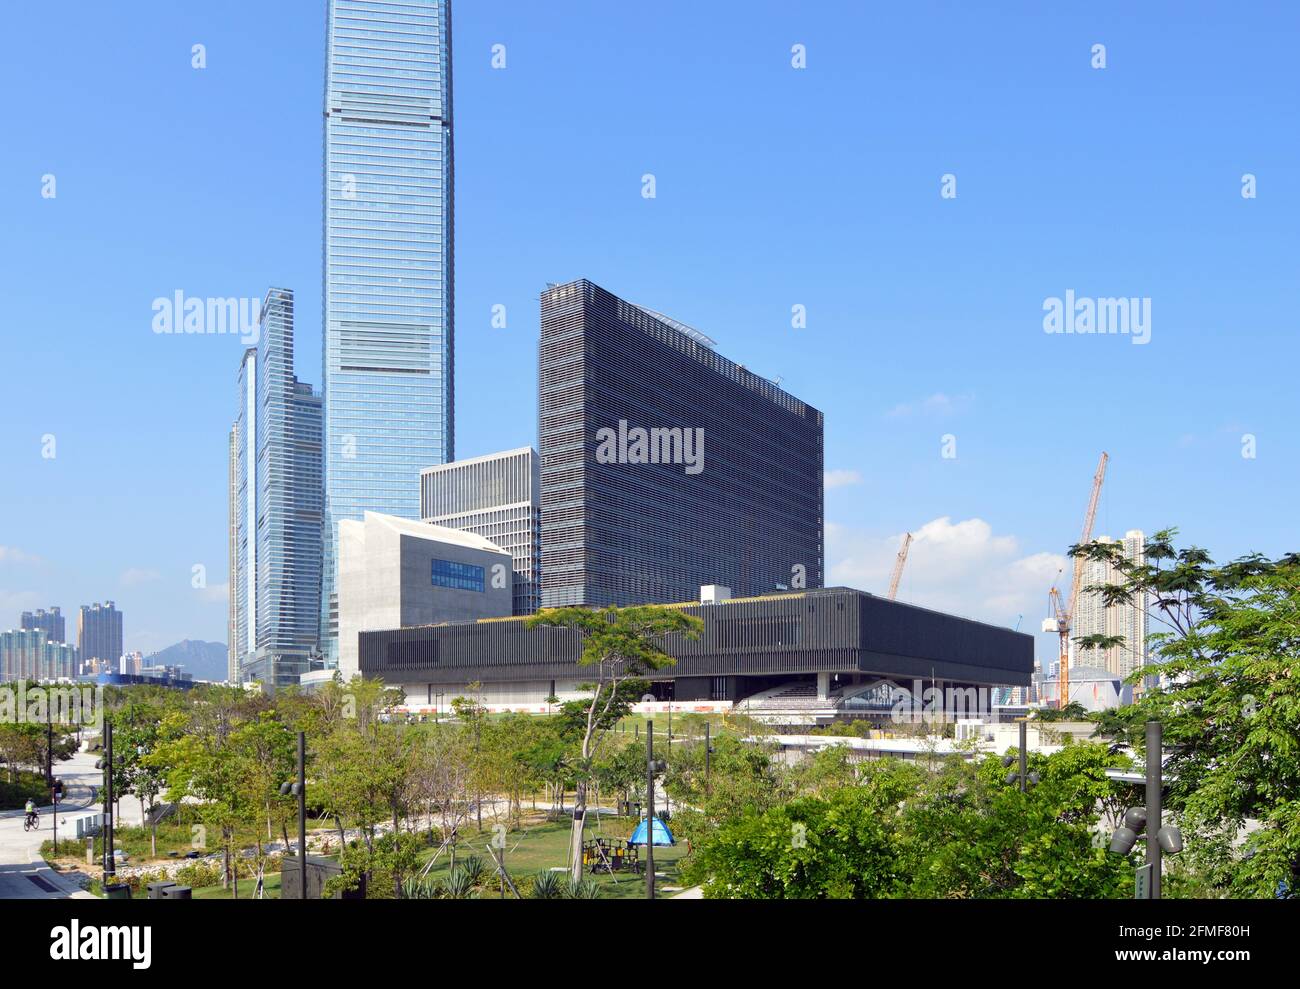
664 465
50 622
275 500
99 633
498 497
1093 617
26 654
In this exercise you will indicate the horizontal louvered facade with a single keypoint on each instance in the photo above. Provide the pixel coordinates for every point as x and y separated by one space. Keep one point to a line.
836 630
730 493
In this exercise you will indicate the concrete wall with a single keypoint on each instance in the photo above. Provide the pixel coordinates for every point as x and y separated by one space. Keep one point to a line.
385 582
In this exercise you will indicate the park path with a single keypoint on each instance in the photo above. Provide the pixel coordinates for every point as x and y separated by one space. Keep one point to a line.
23 873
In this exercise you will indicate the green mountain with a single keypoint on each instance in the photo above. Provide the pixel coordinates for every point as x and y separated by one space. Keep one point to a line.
202 660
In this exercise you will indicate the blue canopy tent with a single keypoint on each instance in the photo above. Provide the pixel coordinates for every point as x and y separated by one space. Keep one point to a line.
662 836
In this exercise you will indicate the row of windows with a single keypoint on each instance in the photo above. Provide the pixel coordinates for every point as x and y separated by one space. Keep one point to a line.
458 576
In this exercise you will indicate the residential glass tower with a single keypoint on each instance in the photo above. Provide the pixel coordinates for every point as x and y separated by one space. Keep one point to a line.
388 264
275 507
99 633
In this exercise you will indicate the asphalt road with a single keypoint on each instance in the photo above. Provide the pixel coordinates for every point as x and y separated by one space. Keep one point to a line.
23 873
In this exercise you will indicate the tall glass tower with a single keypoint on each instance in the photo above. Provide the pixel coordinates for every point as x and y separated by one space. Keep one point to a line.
275 538
388 264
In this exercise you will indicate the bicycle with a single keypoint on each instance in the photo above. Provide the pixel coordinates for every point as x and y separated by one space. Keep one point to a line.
32 822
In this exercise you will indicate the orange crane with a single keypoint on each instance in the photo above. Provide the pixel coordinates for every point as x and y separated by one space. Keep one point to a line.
1062 617
898 566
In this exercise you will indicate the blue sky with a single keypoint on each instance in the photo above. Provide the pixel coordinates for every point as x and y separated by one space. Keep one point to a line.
775 187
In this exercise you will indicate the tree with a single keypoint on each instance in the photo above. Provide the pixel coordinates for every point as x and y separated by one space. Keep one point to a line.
21 744
620 645
1226 657
962 830
141 773
1074 711
743 779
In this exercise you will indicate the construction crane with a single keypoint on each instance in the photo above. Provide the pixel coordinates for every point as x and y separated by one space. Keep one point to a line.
1062 617
898 566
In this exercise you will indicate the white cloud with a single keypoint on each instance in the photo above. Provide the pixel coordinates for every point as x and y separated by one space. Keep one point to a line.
962 568
136 576
842 478
14 603
217 593
938 404
12 554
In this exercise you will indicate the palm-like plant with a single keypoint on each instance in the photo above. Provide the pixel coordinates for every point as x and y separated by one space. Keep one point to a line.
548 886
460 885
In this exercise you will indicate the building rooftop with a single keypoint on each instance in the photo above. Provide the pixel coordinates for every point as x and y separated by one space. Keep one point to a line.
434 533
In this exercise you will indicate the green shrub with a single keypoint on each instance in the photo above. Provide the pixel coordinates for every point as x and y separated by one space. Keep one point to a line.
199 874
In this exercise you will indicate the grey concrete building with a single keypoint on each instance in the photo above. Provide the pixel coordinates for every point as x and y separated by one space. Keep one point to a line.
498 497
397 573
836 650
664 465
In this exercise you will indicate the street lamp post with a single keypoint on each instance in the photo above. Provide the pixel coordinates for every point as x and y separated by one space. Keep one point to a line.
1024 757
299 790
1155 786
649 809
1161 838
110 865
708 753
302 811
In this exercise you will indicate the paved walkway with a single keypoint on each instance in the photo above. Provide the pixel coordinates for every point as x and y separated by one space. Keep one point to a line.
23 873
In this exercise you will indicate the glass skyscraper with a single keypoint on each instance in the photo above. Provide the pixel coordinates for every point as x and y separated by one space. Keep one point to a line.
388 264
275 507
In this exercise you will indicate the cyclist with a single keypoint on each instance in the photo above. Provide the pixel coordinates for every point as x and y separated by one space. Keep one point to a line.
31 812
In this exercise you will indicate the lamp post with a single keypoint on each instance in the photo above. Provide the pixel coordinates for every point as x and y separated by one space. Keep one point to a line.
708 753
1024 756
299 789
651 767
1161 838
1155 787
110 865
649 809
1021 775
302 809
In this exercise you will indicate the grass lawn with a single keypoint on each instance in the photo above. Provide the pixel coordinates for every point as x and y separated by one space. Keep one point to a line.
538 846
545 845
246 889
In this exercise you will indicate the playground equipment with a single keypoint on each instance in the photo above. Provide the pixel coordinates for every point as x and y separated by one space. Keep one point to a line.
606 855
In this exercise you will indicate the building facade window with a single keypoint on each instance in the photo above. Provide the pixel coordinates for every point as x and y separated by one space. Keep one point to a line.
458 576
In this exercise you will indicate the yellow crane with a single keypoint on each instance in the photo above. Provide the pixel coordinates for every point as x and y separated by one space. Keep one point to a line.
1062 617
898 566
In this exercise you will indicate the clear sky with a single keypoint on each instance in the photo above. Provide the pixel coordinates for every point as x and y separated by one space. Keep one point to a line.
775 187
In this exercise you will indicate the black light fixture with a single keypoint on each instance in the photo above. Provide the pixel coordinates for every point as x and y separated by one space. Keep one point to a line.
1161 838
298 789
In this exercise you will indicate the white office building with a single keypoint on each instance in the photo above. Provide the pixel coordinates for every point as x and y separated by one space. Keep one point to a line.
498 497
